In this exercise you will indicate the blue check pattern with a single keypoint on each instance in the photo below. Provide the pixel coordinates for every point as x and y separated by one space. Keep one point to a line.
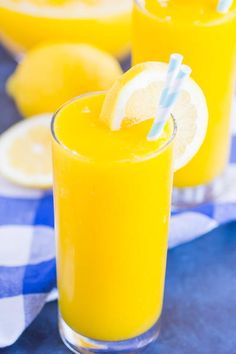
27 252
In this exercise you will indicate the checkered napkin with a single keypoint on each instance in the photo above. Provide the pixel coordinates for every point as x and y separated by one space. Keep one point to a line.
27 254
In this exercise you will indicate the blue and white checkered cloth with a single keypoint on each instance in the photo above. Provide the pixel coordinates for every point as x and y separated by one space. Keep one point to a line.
27 254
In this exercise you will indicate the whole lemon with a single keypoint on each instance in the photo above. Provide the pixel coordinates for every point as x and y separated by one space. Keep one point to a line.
50 75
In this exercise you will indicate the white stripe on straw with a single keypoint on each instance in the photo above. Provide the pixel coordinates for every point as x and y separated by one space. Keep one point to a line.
173 69
224 6
166 108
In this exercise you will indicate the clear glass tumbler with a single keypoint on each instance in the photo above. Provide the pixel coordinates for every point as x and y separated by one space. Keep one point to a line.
111 231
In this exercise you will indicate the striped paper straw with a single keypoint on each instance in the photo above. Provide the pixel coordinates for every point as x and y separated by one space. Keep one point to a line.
166 108
172 72
173 69
224 6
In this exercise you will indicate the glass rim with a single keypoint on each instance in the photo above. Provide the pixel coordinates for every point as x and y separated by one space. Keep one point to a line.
84 158
230 14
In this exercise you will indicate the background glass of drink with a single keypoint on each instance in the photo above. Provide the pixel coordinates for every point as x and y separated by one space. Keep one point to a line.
207 40
105 24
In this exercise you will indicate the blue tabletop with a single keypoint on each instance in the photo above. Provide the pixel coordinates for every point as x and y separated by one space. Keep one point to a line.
199 315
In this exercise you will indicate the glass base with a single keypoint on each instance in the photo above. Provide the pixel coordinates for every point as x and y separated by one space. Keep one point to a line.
80 344
192 196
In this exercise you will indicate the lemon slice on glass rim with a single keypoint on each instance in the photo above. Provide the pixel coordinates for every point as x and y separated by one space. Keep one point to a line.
134 98
25 153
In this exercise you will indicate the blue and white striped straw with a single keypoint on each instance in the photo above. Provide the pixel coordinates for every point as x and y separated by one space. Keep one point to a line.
165 109
224 6
172 72
173 69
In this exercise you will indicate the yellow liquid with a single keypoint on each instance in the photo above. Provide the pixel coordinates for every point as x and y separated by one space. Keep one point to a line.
103 23
112 201
207 41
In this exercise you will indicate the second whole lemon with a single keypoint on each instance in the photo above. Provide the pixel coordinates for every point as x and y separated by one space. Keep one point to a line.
50 75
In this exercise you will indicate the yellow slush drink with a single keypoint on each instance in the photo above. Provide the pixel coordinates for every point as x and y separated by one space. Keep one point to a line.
207 41
112 201
102 23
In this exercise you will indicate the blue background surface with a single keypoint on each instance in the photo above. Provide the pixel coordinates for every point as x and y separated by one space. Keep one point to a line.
199 314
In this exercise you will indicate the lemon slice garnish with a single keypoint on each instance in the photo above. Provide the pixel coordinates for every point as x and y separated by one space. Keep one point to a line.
134 97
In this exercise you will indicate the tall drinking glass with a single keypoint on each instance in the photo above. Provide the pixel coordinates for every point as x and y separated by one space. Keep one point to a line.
112 221
207 40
